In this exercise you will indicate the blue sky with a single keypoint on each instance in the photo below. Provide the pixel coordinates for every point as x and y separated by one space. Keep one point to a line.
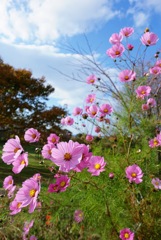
33 33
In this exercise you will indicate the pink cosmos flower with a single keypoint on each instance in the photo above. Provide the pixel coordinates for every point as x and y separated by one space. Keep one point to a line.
27 226
134 174
53 187
77 111
127 31
53 138
155 70
97 129
127 75
96 165
115 38
145 107
28 193
111 175
20 163
62 121
33 237
63 182
126 234
32 135
86 155
89 138
101 117
130 47
116 50
158 63
86 109
105 109
91 79
92 110
90 98
11 191
149 39
143 91
8 183
36 177
15 207
67 155
78 216
155 142
69 121
47 150
156 183
11 150
151 102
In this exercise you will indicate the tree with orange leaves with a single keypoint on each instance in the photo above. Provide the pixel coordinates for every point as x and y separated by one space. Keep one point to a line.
23 101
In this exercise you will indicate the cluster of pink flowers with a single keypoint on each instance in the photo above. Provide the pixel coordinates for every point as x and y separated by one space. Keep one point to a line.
149 104
26 229
118 48
73 156
92 110
67 121
62 182
13 153
26 195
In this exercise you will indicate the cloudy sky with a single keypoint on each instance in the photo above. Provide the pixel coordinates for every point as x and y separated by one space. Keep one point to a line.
34 34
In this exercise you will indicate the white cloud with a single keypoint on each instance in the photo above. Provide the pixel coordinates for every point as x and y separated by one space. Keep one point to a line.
140 19
45 21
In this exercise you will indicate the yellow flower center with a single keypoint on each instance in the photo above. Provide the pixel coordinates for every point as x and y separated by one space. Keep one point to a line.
149 42
106 110
97 166
10 182
117 52
126 235
32 193
133 175
19 204
92 80
16 149
155 142
22 162
93 113
33 136
143 92
157 183
55 187
126 78
67 156
53 140
63 183
49 151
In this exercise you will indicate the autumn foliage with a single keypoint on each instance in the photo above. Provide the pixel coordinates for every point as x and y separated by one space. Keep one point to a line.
23 101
